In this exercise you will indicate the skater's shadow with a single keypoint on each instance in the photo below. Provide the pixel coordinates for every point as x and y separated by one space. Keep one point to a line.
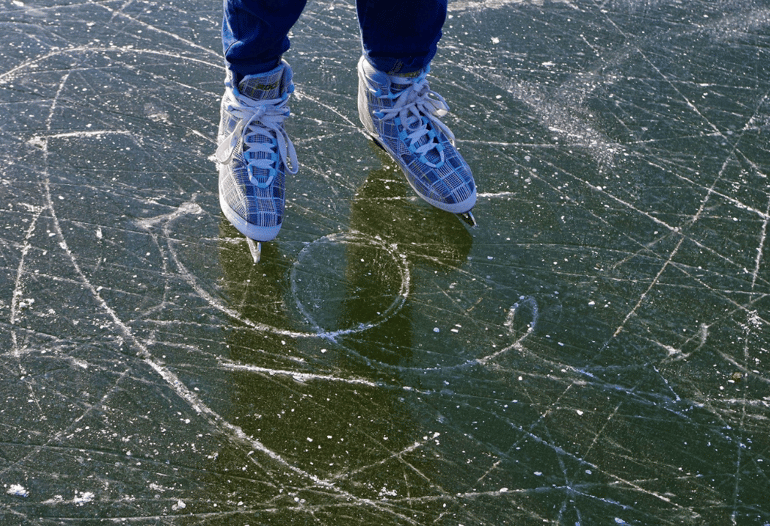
386 209
360 293
353 283
386 206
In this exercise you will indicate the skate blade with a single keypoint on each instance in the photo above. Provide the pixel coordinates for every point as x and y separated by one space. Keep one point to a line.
377 142
468 218
255 247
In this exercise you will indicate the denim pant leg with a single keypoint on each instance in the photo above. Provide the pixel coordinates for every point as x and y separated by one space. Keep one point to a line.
400 36
254 33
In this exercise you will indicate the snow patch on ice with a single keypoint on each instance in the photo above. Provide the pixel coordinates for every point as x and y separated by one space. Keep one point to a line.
83 498
17 490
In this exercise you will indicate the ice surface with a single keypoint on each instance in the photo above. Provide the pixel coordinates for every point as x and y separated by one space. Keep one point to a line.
595 352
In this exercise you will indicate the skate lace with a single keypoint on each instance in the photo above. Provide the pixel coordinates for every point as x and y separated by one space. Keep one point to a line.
259 131
417 109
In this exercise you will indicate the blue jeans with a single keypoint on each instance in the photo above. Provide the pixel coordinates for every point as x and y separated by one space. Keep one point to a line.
398 36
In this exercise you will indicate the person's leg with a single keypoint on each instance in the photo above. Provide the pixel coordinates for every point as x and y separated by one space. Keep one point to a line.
400 36
254 33
254 151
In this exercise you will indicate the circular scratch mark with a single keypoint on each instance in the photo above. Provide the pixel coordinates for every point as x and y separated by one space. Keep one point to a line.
339 238
362 280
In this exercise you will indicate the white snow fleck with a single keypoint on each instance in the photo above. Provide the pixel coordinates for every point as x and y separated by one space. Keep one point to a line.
388 492
83 498
17 490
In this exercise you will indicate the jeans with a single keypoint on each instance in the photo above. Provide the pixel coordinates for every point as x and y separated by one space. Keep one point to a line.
398 36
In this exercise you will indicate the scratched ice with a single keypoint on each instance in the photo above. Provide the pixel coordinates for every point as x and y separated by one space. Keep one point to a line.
595 352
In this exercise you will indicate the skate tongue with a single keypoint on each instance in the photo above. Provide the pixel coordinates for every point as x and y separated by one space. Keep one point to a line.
256 88
270 85
405 78
399 83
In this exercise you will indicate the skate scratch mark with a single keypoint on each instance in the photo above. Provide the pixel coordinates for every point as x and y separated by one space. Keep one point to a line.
235 433
675 230
356 237
527 301
399 457
24 67
214 419
564 453
300 377
760 248
399 301
193 208
694 219
492 195
57 437
18 288
473 5
49 206
751 322
16 303
653 283
675 354
186 42
38 140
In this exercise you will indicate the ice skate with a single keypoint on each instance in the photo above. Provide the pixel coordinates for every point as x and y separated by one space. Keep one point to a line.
255 153
402 114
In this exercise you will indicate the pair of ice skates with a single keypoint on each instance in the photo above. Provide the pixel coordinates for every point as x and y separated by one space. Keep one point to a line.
401 113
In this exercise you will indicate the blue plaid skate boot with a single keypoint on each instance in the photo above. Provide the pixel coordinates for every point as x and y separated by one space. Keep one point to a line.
402 114
255 153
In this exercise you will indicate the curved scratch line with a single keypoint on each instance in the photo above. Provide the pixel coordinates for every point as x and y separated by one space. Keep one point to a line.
530 301
394 307
18 285
328 335
173 381
17 289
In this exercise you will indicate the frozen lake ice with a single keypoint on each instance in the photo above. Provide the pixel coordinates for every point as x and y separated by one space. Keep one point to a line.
594 352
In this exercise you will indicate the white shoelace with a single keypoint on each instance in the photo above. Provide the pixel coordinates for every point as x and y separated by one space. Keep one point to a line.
259 117
416 106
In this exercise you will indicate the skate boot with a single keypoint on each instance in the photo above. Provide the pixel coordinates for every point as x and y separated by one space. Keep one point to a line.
254 153
402 114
